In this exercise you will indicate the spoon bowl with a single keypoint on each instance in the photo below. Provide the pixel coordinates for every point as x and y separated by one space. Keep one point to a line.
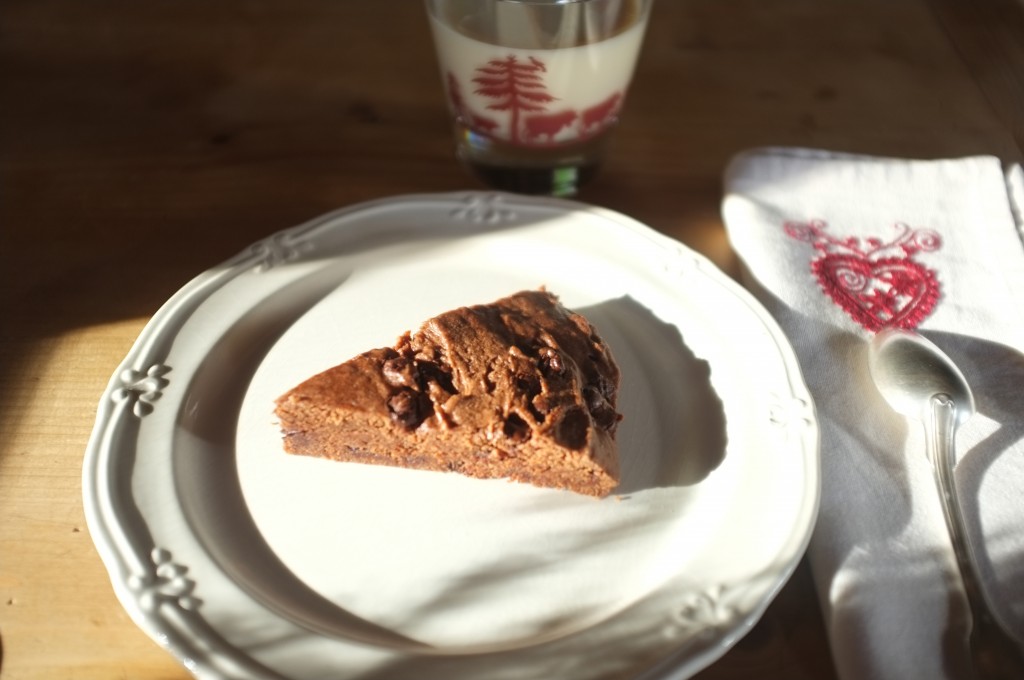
909 370
919 381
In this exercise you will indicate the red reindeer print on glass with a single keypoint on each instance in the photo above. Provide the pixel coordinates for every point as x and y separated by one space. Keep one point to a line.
545 128
601 115
878 284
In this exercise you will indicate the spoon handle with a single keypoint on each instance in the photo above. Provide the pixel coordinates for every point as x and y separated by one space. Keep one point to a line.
996 655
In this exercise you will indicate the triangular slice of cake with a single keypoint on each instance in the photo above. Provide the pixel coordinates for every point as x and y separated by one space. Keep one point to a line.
521 388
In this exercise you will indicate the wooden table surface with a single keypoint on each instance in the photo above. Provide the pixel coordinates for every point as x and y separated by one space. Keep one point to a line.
142 143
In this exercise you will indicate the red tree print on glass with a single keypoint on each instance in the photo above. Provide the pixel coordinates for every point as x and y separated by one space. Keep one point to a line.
516 86
482 124
878 284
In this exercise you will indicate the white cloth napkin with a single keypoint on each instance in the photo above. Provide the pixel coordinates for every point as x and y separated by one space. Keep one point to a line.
938 246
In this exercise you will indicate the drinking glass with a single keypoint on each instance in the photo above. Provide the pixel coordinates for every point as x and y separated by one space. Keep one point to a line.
535 87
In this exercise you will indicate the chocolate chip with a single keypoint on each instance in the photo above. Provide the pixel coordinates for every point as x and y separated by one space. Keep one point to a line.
409 408
601 411
400 372
515 428
551 362
527 384
605 417
571 432
431 372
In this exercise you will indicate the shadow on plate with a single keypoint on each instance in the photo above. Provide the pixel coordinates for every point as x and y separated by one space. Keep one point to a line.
673 431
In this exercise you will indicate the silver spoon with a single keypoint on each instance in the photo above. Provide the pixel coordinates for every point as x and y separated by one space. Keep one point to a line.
921 382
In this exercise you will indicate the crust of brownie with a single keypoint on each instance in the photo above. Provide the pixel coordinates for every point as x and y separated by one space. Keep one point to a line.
521 388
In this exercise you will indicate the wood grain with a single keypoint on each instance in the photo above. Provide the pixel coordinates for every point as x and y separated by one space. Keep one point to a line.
143 143
989 36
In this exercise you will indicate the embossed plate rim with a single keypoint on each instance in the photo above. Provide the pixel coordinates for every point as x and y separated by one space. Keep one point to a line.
165 595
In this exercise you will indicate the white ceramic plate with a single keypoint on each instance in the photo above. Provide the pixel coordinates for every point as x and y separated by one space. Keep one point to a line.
245 562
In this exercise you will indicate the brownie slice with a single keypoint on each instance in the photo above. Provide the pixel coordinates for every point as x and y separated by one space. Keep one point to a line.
521 388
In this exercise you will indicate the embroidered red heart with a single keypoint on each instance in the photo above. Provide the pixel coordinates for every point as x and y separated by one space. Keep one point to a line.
880 293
